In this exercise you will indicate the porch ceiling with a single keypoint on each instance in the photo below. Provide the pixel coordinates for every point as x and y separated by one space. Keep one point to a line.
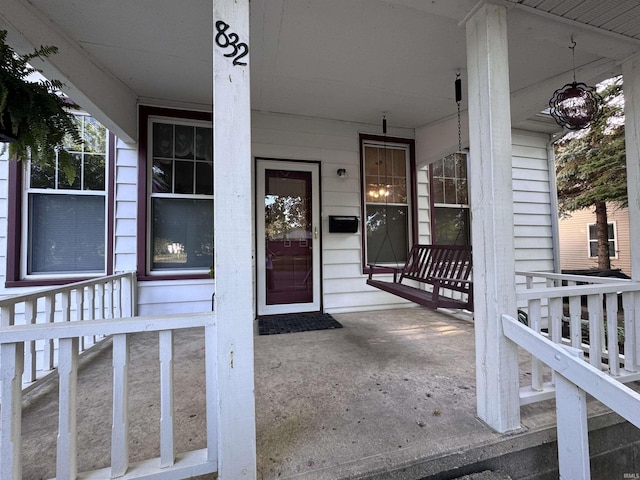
324 58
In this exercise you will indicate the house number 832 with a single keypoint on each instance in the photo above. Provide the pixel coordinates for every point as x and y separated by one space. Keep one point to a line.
230 40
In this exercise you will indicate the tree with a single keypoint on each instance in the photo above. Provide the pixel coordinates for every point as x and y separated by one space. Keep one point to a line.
591 166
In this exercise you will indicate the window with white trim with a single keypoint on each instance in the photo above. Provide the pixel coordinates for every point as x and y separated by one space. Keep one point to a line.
180 206
593 240
450 201
65 209
386 173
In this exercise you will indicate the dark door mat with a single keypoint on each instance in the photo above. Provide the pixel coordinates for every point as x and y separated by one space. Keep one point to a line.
295 322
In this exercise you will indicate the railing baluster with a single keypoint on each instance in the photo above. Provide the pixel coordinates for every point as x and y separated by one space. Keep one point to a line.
117 286
535 313
11 366
612 333
30 315
555 319
49 314
100 300
575 319
120 427
636 316
110 300
630 339
79 297
8 315
167 434
594 305
66 460
91 307
65 301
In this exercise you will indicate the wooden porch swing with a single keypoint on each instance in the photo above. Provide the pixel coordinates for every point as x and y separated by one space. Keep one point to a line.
437 271
443 269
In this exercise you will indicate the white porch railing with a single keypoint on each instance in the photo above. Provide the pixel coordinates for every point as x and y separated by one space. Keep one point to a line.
574 378
583 312
109 297
46 331
68 334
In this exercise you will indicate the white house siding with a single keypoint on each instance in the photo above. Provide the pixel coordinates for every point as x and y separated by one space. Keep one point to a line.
335 145
533 229
4 211
532 203
574 238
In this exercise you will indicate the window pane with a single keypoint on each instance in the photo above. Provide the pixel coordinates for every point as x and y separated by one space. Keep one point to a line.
612 249
452 226
43 176
450 191
204 178
162 140
162 176
75 165
66 233
204 144
182 233
593 249
462 190
95 136
437 190
398 191
184 141
94 170
592 232
184 177
387 237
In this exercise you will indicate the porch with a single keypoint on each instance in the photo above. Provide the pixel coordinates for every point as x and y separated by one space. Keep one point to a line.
391 392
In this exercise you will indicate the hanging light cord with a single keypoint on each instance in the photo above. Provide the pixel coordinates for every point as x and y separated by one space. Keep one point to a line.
573 55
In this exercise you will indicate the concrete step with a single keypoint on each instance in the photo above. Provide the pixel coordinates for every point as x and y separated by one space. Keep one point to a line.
486 475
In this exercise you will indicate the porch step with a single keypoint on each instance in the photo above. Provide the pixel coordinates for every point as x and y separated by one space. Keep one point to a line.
614 446
486 475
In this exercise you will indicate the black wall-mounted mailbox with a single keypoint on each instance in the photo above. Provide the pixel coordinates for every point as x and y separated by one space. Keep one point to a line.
343 224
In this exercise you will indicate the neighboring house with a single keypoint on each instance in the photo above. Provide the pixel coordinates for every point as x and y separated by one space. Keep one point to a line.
234 128
578 243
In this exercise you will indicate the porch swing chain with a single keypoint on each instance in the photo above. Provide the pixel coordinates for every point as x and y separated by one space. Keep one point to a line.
458 100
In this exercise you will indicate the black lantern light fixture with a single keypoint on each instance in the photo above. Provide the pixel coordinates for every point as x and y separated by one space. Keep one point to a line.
576 105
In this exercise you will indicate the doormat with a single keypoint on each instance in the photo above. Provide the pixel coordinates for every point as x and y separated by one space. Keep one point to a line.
296 322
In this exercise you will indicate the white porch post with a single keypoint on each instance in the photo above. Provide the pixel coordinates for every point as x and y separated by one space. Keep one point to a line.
491 194
631 73
232 235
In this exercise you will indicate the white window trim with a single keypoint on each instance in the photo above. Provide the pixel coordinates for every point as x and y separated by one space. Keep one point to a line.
27 190
595 240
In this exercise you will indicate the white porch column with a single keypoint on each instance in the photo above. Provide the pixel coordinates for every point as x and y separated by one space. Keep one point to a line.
631 73
491 193
232 237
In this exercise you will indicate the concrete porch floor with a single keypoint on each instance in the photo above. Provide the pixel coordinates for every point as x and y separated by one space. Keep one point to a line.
390 395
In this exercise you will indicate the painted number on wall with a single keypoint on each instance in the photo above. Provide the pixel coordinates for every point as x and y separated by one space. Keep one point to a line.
224 39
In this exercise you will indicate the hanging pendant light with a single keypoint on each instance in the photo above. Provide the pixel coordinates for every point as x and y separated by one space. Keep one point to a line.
576 105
